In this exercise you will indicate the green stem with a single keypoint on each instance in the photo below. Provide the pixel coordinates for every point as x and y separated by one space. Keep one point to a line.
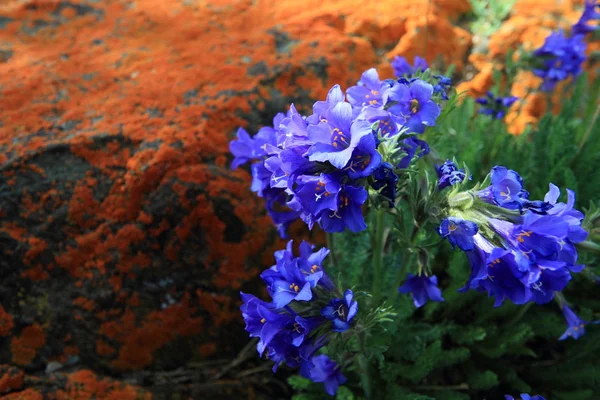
590 246
331 247
588 131
378 246
406 258
363 365
520 314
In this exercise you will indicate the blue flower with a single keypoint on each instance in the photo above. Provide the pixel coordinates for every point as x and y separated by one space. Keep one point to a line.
327 371
525 396
292 133
341 312
589 14
575 325
261 321
459 232
320 108
507 191
571 216
385 181
302 327
246 148
336 138
386 126
286 283
444 83
411 146
365 159
507 274
348 213
277 209
559 58
449 175
261 178
414 108
423 288
318 193
370 91
495 106
402 67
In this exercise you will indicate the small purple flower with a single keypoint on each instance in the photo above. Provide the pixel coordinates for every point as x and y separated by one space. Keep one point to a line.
286 283
414 108
449 175
370 91
320 108
293 132
444 83
525 396
302 327
279 212
336 139
507 191
246 148
459 232
495 106
261 321
341 312
412 147
575 325
589 14
386 126
423 288
348 213
261 178
327 371
507 275
386 181
402 67
318 193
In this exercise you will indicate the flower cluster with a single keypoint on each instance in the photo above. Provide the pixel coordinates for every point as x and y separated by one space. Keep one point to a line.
562 56
302 316
495 106
319 167
518 249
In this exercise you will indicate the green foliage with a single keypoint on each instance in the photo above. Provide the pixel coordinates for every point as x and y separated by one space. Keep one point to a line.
488 16
464 348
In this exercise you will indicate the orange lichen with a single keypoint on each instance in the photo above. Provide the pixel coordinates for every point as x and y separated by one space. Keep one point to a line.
6 322
10 379
27 394
25 346
84 384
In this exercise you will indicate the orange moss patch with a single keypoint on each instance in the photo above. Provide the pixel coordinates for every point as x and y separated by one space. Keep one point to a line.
25 346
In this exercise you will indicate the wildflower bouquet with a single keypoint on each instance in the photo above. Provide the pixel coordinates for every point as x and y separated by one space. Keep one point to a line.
370 167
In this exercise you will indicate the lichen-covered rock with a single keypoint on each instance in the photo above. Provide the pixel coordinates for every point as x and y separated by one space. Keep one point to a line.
125 237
